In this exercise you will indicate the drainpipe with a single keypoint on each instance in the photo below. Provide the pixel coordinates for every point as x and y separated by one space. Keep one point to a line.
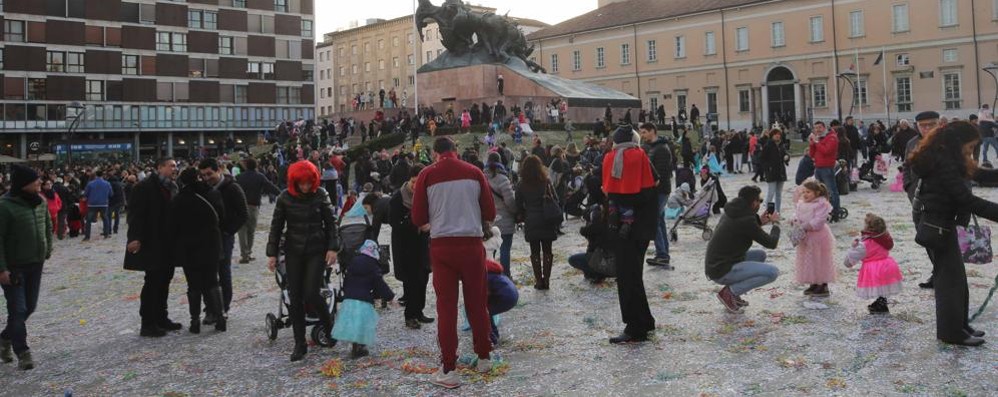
835 55
977 59
637 75
724 61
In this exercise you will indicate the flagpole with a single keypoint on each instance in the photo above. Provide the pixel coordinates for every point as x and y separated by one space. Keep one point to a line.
416 57
887 93
859 86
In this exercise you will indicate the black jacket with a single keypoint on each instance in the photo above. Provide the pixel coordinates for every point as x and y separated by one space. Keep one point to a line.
738 228
530 209
195 227
410 247
236 213
148 223
774 163
380 209
117 192
946 195
363 281
309 222
660 154
854 138
254 185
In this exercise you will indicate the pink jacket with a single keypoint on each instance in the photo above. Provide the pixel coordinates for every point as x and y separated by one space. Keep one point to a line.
814 215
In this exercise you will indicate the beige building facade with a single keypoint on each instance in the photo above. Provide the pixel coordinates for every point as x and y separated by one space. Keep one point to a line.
384 54
756 62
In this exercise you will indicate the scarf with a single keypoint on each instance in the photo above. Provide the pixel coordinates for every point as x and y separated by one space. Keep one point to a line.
407 194
618 158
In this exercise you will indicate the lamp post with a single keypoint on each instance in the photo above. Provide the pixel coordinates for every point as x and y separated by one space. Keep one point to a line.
80 112
992 69
848 76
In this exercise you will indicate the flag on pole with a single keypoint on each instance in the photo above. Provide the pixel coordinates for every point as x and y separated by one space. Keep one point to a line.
880 58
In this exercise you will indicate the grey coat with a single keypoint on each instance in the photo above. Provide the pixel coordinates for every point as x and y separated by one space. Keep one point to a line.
505 199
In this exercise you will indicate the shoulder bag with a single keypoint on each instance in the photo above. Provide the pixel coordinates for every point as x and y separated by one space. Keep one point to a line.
975 243
553 213
931 231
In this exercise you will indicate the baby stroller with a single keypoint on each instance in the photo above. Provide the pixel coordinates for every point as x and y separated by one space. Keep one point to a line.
875 171
333 295
697 214
75 220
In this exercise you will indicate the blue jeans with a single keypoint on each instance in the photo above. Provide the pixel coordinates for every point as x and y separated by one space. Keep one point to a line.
988 143
750 274
21 302
827 176
225 269
662 230
114 212
774 194
504 250
105 216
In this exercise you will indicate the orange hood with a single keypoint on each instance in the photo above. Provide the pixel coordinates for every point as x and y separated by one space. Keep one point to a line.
302 171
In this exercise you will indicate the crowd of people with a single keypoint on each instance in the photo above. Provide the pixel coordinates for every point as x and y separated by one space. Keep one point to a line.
454 216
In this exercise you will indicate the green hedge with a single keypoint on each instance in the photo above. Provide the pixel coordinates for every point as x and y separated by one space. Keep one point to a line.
384 142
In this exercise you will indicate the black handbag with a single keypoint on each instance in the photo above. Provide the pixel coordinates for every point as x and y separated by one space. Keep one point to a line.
553 213
932 231
602 263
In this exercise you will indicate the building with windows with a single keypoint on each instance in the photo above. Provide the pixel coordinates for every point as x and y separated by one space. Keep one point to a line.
753 62
164 76
383 54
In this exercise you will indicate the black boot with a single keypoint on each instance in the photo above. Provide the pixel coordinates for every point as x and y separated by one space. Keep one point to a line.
535 263
548 263
194 303
214 303
299 352
928 284
150 329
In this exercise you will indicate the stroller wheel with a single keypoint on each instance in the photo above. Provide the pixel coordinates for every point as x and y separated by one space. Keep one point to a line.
707 234
320 335
673 236
272 326
843 213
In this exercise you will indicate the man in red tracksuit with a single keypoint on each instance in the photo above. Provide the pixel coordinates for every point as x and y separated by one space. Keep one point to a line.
452 201
824 149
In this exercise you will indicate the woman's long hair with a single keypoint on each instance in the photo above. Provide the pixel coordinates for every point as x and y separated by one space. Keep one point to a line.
945 145
532 173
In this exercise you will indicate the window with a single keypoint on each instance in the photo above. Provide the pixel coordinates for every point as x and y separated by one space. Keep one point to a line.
1 61
900 18
994 9
95 90
179 42
163 41
241 93
680 101
36 89
253 70
194 18
367 48
576 60
859 93
625 54
741 39
600 61
429 56
779 36
210 20
951 90
856 28
652 51
819 95
322 75
743 101
55 61
367 66
268 70
306 28
381 64
680 47
381 44
947 13
903 93
903 60
354 69
949 55
353 49
554 63
412 80
281 5
239 3
396 82
395 62
225 45
74 62
410 59
709 45
817 29
408 38
282 95
14 31
712 102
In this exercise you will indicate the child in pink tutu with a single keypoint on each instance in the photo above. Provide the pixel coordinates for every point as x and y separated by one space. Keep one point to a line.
880 276
815 265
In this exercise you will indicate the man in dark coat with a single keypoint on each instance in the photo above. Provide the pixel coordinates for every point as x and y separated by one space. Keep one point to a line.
660 153
254 185
410 249
855 141
236 213
117 202
148 229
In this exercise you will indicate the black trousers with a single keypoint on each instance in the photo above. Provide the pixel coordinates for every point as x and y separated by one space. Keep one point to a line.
634 308
200 280
304 276
952 293
154 295
414 290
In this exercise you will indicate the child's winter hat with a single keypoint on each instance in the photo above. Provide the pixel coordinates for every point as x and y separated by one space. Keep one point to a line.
370 248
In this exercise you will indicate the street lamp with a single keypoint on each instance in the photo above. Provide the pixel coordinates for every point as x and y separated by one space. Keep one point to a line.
992 69
79 114
848 76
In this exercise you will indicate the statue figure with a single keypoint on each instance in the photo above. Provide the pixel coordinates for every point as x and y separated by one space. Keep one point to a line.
498 39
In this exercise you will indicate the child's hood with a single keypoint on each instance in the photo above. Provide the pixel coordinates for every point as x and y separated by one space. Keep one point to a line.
883 239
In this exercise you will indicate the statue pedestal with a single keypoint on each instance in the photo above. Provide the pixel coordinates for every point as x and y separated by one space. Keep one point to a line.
466 85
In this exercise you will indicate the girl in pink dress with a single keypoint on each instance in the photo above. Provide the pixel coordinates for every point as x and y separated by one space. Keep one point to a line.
880 276
815 264
466 121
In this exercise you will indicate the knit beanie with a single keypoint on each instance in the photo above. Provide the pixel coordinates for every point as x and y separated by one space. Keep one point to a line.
21 176
623 134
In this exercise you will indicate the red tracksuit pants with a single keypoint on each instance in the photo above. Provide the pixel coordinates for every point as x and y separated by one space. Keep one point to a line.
460 260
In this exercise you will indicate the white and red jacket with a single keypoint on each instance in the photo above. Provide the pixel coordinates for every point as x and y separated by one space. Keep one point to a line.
454 198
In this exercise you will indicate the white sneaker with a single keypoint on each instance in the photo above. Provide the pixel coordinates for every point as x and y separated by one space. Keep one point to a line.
448 381
484 366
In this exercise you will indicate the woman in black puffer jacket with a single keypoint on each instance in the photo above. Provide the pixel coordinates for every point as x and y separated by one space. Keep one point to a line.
303 217
540 233
197 245
944 162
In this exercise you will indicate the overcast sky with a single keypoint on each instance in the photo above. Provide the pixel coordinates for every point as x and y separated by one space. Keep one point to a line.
331 14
